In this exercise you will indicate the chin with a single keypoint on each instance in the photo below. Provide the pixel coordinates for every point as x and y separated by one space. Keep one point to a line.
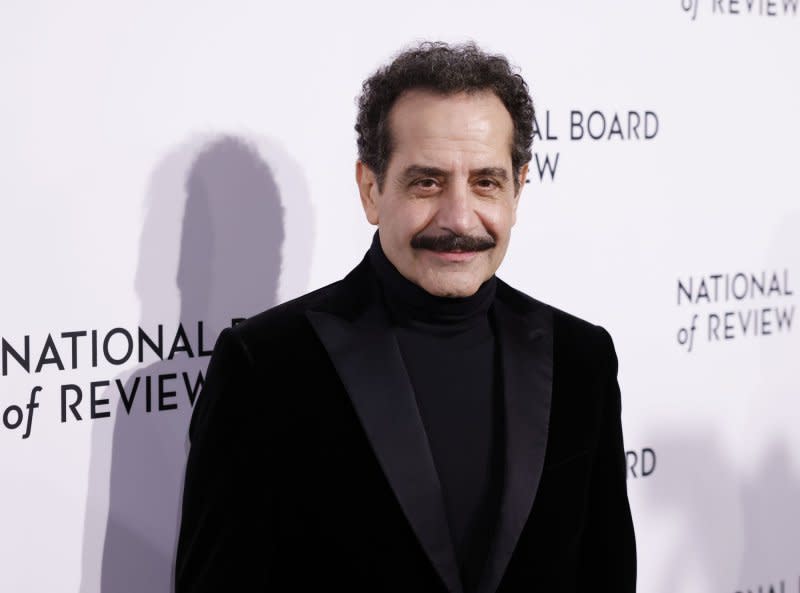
451 287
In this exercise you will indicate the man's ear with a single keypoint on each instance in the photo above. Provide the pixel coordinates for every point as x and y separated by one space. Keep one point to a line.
368 189
523 176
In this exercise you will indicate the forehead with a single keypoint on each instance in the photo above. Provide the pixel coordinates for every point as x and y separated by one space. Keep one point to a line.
425 124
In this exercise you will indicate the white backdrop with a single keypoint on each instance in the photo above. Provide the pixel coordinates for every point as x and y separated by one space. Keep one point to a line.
164 164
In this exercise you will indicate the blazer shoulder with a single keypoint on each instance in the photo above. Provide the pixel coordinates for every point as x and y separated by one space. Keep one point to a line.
276 324
286 323
570 331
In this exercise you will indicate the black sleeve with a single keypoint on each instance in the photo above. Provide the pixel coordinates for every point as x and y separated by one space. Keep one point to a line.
225 541
608 552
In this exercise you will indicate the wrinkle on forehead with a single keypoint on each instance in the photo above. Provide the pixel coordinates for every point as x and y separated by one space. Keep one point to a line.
454 128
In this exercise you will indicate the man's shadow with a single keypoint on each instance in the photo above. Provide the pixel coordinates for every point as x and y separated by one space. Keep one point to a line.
738 521
215 226
736 527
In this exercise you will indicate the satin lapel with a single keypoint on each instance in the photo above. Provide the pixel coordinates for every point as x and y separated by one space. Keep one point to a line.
367 358
526 353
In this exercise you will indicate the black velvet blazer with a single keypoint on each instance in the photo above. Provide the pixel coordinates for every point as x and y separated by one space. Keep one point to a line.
309 468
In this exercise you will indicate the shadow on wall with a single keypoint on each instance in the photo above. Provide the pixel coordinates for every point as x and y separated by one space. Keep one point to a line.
738 526
771 521
771 497
222 198
738 529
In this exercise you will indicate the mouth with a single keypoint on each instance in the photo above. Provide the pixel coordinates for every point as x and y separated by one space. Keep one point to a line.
457 256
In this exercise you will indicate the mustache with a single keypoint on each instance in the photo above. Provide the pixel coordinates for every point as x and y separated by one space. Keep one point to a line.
452 242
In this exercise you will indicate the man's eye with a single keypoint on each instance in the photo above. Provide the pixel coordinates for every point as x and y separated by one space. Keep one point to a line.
426 183
487 183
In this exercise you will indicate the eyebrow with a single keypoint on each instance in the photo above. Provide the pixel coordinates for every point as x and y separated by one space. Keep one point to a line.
498 172
423 171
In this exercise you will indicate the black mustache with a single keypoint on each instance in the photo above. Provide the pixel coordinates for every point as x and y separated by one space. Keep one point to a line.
452 242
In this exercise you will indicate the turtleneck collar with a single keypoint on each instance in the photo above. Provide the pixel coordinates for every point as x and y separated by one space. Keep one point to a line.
410 304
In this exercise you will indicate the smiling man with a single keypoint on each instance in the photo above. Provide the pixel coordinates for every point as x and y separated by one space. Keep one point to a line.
445 204
419 425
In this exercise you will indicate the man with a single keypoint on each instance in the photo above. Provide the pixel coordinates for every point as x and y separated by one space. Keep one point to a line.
419 425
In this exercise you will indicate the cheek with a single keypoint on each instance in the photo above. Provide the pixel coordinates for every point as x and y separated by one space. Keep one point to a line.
498 219
409 217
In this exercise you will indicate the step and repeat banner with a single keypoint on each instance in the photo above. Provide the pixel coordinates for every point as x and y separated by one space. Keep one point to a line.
169 168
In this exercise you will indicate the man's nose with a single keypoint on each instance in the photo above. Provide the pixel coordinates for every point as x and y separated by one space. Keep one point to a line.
456 210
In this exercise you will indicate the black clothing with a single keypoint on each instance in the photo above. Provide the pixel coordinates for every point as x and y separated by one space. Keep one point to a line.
448 349
310 469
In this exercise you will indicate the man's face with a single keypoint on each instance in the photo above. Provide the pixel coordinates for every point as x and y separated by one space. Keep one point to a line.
449 201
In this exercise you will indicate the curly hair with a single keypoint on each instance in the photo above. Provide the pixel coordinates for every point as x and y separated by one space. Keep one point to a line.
445 69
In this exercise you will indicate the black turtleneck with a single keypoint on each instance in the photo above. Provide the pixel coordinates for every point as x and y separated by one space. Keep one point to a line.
448 347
